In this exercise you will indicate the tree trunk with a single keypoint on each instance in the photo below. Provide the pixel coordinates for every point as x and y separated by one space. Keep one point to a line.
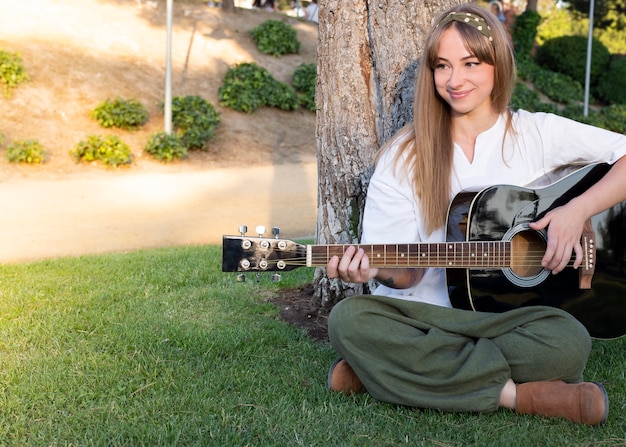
367 58
228 5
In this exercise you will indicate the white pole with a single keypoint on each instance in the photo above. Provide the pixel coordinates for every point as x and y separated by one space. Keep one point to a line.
588 67
167 108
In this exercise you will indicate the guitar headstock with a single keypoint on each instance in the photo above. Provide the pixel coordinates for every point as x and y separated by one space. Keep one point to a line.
260 254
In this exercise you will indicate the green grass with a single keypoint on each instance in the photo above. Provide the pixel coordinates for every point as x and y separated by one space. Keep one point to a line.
160 348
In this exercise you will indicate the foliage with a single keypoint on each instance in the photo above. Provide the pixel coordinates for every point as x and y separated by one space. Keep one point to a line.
607 13
304 80
27 151
613 39
558 87
12 72
557 22
196 120
166 147
128 114
527 70
248 86
276 38
614 117
612 84
566 54
160 348
560 22
109 150
524 32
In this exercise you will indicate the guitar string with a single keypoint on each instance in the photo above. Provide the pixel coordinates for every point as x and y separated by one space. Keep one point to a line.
435 260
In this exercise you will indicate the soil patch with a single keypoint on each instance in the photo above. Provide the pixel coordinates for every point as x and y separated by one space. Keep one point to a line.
298 308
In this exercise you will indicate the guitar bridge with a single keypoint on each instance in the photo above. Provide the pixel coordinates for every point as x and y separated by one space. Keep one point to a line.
588 266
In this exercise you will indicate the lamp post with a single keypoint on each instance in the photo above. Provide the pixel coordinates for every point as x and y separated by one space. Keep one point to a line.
588 66
167 108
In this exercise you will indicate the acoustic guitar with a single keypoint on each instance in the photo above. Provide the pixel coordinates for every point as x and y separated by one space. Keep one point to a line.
491 255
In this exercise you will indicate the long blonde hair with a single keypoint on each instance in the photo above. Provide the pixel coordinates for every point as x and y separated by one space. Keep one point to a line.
427 146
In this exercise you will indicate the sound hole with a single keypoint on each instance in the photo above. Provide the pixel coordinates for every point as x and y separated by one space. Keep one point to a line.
527 249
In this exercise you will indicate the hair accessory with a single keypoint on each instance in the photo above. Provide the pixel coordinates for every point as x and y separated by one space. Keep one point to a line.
471 19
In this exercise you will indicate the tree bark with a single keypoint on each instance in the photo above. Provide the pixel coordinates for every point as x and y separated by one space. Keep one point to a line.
228 5
368 53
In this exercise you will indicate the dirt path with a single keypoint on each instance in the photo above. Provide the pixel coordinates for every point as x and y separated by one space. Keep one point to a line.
50 218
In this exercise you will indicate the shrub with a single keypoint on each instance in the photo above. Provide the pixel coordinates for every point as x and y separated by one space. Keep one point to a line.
614 117
128 114
612 84
524 98
12 72
276 38
558 87
111 150
567 55
195 119
248 86
282 96
304 80
524 32
166 147
27 151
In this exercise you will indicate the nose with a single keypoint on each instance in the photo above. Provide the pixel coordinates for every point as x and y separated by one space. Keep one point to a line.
456 79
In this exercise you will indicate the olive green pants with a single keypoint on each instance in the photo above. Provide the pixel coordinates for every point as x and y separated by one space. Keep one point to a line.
428 356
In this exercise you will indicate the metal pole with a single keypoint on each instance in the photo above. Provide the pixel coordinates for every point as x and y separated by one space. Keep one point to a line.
167 107
588 67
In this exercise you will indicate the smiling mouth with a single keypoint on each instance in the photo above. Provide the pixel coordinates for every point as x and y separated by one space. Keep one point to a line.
458 95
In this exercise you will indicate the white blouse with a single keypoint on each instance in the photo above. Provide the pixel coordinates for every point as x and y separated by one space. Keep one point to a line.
541 142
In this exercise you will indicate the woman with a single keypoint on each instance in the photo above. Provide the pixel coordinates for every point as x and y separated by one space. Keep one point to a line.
405 344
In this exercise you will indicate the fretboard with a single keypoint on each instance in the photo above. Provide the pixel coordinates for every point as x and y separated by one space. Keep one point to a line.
482 255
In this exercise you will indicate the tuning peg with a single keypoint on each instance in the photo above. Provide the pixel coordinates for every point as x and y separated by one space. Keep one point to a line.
276 277
275 232
260 229
258 277
243 229
241 277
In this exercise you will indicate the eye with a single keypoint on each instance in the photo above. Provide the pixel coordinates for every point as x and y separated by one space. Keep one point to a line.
473 63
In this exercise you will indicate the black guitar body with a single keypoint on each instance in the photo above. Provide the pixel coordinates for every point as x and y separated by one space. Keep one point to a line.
503 213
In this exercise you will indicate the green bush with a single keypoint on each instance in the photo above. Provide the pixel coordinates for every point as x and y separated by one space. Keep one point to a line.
248 86
304 80
111 150
276 38
558 87
195 120
567 55
614 117
12 72
524 32
27 151
282 96
166 147
612 84
524 98
128 114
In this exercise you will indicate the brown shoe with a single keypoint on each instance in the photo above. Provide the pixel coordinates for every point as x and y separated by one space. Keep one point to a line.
584 403
342 378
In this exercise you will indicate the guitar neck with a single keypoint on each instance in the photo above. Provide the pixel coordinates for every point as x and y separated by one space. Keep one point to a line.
485 255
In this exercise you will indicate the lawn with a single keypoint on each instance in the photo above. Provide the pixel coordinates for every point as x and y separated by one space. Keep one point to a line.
160 348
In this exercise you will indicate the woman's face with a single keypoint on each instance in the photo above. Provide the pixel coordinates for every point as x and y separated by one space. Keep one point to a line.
461 79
